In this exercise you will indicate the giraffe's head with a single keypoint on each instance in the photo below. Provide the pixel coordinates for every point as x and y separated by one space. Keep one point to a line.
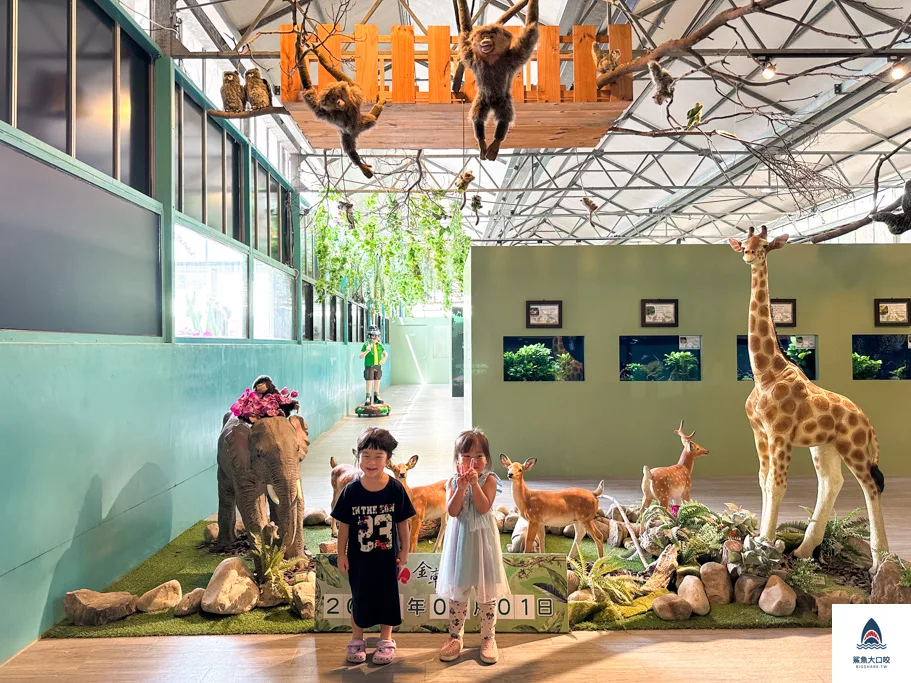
755 247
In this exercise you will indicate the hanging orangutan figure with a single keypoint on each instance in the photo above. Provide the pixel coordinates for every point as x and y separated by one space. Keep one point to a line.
339 103
493 57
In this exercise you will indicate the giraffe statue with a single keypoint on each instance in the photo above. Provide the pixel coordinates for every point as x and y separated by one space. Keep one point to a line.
786 409
576 371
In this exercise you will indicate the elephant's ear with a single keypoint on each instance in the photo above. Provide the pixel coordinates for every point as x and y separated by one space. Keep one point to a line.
300 431
225 419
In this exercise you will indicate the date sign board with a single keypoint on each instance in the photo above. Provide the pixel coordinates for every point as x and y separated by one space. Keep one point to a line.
537 604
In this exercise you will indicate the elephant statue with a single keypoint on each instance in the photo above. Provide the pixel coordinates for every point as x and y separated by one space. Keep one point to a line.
256 460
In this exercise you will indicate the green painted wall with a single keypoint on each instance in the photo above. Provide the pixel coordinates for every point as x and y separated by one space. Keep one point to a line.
424 348
603 427
109 453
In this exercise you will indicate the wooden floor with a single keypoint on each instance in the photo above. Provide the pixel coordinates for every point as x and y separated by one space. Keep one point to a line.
425 420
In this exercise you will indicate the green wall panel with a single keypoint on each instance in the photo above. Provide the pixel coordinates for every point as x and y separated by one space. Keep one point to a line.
428 358
109 453
603 427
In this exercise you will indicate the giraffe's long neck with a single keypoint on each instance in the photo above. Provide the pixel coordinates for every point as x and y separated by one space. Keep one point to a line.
766 358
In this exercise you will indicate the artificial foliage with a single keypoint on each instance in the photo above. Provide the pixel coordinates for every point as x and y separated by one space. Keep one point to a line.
531 363
392 251
864 367
269 561
758 557
804 575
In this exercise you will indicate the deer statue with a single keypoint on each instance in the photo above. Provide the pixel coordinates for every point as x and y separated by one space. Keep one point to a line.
429 503
342 475
665 484
554 508
785 409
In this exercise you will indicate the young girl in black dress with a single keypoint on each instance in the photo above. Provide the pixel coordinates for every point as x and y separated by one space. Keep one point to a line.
372 514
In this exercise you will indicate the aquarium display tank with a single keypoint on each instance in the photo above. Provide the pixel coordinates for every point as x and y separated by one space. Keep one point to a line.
660 358
881 356
800 349
543 359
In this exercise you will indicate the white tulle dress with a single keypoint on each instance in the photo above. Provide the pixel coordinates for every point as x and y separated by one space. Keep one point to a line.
471 556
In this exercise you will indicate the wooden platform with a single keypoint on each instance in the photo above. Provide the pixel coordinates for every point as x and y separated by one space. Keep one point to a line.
548 113
446 126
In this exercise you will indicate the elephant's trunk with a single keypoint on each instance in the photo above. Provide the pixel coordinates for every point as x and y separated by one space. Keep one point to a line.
291 515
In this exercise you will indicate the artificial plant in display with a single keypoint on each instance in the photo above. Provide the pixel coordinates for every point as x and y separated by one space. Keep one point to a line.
391 251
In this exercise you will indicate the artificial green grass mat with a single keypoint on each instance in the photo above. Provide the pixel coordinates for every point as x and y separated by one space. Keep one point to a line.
721 616
192 566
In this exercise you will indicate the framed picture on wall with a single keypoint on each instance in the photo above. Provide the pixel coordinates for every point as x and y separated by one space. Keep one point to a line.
543 314
659 313
784 312
892 312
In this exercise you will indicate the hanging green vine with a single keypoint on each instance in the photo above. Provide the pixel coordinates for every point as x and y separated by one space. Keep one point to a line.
394 252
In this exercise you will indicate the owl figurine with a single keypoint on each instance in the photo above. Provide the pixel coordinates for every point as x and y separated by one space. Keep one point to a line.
258 94
233 95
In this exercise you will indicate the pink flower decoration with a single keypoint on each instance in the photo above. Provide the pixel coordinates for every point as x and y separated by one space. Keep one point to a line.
251 405
674 509
293 394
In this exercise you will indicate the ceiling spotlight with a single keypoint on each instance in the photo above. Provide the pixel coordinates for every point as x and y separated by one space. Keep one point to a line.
898 69
768 70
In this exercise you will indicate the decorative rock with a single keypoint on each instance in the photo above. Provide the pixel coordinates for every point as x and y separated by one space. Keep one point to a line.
717 583
614 534
672 607
569 531
271 596
685 570
165 596
89 608
665 568
692 590
886 590
501 519
823 603
863 553
328 547
503 510
554 530
315 517
572 581
778 598
210 534
430 528
729 546
748 589
239 527
231 589
583 595
632 513
509 524
517 542
600 513
303 599
613 512
190 604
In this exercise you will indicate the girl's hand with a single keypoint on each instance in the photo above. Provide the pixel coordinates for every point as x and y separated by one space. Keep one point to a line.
343 564
472 477
402 558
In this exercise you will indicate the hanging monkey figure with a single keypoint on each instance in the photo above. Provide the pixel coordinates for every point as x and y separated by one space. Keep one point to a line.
464 180
592 207
476 207
494 59
605 60
663 82
339 103
897 223
346 209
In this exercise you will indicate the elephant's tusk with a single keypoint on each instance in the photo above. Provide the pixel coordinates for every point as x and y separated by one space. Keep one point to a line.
271 492
299 491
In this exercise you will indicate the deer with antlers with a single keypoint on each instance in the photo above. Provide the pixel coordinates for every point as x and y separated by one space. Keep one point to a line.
554 508
665 484
429 502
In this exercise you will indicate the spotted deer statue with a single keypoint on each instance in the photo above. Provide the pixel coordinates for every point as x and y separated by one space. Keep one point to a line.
786 409
666 484
429 503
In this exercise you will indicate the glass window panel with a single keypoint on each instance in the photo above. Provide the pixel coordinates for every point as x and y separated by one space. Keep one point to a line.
4 60
319 313
305 246
94 87
284 221
210 287
232 161
135 115
307 308
43 81
214 181
333 319
660 358
273 303
178 136
262 210
275 235
192 158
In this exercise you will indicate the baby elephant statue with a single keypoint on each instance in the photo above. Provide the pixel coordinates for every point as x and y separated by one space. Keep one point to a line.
253 459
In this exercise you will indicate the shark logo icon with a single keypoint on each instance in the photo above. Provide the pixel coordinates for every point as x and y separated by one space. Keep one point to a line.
872 637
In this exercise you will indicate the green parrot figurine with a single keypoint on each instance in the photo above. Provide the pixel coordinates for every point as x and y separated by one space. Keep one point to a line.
694 115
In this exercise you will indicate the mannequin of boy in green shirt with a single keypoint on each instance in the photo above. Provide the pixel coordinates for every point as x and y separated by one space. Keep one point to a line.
374 355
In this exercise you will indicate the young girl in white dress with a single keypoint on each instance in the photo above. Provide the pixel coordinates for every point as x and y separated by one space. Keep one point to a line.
471 557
